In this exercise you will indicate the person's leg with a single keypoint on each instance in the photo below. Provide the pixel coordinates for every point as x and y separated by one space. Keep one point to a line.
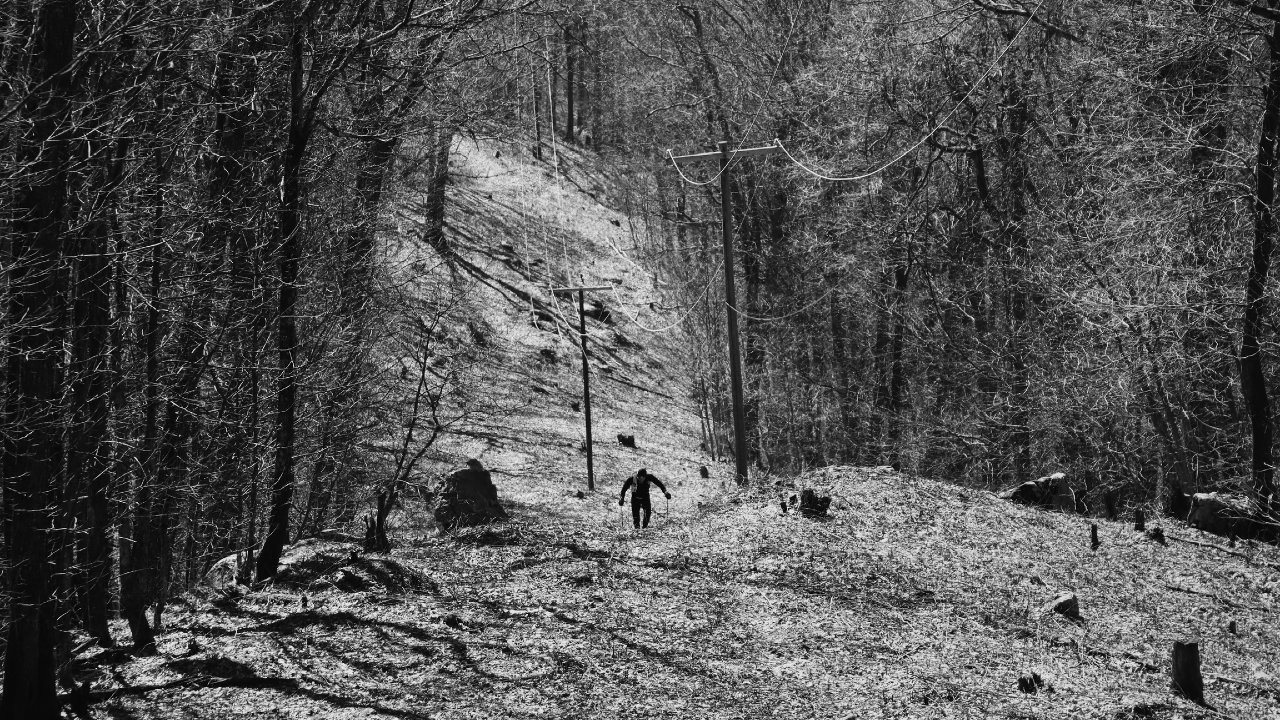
635 514
647 510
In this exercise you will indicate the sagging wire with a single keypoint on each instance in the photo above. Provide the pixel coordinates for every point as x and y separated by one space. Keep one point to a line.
924 138
755 116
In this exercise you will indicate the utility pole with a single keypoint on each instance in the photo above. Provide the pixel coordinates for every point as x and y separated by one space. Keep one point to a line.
726 157
586 374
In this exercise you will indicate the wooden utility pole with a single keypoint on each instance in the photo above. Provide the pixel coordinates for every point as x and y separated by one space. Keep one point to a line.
586 375
726 157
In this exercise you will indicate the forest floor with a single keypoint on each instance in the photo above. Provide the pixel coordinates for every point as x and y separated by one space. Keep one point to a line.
914 599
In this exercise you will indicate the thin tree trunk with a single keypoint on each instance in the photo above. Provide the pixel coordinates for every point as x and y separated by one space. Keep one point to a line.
551 87
897 375
537 113
1253 382
138 550
570 55
840 361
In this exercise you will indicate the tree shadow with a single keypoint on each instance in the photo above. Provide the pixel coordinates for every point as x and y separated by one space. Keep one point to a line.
350 704
215 665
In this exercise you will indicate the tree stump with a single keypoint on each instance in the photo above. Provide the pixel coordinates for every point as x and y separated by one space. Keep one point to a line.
813 505
1139 520
1094 542
1030 683
1156 535
468 497
1186 672
1065 604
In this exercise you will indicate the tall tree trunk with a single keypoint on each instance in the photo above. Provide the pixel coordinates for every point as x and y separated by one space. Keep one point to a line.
897 373
92 462
139 542
33 439
288 242
88 462
437 189
235 180
1253 382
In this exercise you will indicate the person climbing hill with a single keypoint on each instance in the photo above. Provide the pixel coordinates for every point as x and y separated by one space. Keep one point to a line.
639 485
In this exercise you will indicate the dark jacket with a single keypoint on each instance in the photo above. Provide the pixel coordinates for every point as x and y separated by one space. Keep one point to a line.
639 485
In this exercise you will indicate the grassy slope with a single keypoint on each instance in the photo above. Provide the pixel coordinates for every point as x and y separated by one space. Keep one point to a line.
916 600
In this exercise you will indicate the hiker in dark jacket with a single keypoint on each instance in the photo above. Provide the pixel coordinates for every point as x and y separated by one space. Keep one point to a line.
639 486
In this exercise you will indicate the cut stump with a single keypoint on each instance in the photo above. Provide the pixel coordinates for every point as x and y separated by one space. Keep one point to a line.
1187 681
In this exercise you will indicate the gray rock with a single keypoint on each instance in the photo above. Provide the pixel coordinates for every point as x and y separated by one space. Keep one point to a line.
1050 491
1221 514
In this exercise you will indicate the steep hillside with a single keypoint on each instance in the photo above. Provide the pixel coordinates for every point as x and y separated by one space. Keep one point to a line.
915 599
516 229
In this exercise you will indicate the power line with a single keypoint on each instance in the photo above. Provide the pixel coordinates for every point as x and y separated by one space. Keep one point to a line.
990 69
755 116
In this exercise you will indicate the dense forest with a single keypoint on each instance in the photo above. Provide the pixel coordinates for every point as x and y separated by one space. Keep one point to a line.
997 240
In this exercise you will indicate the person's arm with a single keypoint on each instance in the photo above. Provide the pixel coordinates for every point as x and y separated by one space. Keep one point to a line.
623 496
661 487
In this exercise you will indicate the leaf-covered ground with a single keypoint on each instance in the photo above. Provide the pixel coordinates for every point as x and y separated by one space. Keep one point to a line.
917 599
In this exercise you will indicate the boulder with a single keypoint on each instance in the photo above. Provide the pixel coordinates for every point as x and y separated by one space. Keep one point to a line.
224 572
1221 514
468 497
1051 491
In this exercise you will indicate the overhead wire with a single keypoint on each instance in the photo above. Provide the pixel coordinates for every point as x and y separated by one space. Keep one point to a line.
991 69
635 319
711 279
995 64
720 265
937 126
786 43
